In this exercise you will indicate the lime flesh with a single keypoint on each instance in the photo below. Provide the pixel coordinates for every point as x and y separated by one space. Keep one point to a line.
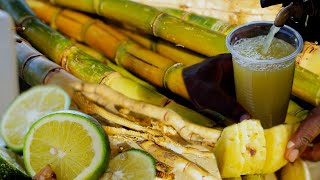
73 144
132 164
27 108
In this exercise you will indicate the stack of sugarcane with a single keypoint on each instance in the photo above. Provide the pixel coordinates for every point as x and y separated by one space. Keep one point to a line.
159 130
156 130
233 11
161 72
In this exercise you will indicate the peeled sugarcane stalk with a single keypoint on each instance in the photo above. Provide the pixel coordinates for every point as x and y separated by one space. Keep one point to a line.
154 68
180 164
97 55
166 49
103 95
161 140
85 67
211 23
155 22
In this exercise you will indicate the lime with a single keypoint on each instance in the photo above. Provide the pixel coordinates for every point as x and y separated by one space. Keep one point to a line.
27 108
132 164
9 166
297 170
72 143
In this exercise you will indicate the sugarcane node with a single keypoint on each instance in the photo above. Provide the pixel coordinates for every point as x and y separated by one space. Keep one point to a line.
168 71
155 23
108 77
21 21
50 73
85 27
64 57
96 4
185 15
54 18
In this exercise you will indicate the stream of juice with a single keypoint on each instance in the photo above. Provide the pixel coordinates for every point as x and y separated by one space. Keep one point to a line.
264 90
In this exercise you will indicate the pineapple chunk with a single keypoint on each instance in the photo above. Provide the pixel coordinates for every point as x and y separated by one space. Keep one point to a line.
253 146
276 141
228 154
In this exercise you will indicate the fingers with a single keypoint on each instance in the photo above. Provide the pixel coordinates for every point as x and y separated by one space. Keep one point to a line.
312 153
306 133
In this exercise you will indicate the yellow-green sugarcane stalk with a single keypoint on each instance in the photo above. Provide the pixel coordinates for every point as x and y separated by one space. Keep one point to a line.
97 55
155 22
306 85
309 57
207 22
165 48
63 52
152 67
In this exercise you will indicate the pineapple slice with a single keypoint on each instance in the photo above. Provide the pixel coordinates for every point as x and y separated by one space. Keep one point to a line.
276 141
228 154
253 146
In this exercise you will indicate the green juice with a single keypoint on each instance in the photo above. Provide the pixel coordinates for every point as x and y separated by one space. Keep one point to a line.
263 89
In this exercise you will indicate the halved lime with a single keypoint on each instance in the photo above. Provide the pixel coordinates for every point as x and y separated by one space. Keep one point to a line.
72 143
9 166
27 108
132 164
297 170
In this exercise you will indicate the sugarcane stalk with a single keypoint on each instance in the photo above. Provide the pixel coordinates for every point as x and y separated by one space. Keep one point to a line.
97 55
207 22
306 85
180 164
50 73
161 140
154 22
103 95
147 64
166 49
62 51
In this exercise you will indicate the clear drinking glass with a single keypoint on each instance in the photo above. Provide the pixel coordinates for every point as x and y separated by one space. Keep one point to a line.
263 87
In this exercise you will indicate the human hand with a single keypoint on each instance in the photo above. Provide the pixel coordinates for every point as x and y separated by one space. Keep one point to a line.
305 141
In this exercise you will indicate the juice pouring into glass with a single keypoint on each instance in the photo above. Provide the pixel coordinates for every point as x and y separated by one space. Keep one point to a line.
263 81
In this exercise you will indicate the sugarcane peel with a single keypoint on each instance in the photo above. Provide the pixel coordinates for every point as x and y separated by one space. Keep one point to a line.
103 95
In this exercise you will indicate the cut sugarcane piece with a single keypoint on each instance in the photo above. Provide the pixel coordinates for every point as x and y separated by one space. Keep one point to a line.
309 58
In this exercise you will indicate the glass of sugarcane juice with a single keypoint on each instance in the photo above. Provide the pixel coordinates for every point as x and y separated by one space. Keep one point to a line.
263 80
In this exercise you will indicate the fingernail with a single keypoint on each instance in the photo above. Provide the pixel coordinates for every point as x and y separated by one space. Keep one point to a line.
290 144
293 155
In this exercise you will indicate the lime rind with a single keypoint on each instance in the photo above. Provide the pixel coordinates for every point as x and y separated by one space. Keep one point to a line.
9 166
132 164
14 108
100 161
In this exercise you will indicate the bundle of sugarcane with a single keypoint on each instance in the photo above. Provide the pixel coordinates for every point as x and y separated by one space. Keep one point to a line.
148 127
236 12
302 80
154 22
180 153
85 67
152 67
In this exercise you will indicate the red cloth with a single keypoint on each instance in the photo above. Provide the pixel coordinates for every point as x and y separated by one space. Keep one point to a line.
210 85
